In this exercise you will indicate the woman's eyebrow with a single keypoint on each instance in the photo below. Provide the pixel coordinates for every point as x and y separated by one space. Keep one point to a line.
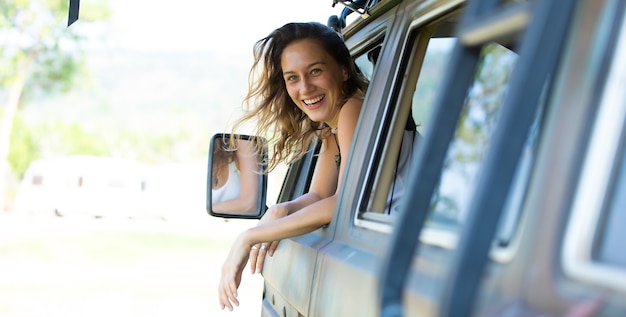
315 63
308 66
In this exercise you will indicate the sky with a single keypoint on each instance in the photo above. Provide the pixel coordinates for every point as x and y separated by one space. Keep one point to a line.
202 82
206 25
228 28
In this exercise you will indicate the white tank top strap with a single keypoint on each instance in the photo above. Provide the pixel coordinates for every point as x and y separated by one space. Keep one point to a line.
231 188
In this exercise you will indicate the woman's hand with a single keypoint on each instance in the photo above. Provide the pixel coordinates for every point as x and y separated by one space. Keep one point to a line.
259 251
231 273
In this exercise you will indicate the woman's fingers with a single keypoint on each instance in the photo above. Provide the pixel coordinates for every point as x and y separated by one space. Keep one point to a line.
254 252
228 295
227 299
224 302
272 248
261 258
258 254
231 274
232 294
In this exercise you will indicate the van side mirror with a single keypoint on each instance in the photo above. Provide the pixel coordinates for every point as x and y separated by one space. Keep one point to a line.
236 179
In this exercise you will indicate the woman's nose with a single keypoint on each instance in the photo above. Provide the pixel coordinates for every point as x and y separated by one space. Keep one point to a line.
306 85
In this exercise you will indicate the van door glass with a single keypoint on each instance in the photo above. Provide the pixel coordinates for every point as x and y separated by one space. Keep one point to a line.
451 199
366 62
431 75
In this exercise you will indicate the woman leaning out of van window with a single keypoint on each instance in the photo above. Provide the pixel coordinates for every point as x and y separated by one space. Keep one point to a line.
307 87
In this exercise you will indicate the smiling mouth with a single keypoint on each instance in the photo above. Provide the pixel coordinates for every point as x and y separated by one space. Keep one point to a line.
313 101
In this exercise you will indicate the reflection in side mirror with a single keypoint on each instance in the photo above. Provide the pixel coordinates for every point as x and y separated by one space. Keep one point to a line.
236 179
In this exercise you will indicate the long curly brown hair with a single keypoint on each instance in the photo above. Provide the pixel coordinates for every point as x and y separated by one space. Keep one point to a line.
288 128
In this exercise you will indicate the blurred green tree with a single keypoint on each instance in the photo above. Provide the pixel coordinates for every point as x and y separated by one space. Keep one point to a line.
39 52
24 145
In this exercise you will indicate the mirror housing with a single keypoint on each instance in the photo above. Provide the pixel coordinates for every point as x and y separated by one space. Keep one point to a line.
242 196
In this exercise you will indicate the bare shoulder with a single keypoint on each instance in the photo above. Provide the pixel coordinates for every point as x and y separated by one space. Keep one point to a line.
351 109
348 118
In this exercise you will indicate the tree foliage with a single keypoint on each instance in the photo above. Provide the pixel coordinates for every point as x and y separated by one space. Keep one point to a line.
38 54
33 140
34 38
25 147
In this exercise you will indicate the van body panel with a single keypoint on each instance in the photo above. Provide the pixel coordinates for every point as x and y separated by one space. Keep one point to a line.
352 272
291 274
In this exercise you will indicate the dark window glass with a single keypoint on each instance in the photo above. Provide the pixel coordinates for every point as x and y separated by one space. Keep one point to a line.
366 62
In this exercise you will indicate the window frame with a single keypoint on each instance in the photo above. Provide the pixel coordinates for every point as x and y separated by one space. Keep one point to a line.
596 181
415 45
396 107
297 179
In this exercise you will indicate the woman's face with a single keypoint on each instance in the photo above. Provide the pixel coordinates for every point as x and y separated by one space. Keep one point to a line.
314 80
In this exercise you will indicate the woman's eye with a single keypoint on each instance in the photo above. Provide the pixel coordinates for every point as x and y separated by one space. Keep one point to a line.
316 71
291 78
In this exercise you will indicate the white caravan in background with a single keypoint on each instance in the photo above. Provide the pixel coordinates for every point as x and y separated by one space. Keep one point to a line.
95 186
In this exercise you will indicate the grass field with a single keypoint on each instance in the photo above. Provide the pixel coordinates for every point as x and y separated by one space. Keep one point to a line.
65 267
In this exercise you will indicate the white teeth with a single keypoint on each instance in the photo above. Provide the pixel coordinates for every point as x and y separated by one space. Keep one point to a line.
312 101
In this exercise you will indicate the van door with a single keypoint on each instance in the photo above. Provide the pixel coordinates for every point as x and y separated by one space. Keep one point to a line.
456 146
288 275
411 66
530 281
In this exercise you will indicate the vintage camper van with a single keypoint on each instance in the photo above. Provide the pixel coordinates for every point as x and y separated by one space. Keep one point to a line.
516 202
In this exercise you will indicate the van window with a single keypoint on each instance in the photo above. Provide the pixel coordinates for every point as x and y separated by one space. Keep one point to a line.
450 202
512 208
437 55
385 185
451 199
429 50
367 61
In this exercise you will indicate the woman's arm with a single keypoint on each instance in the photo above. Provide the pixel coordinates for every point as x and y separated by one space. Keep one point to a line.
348 118
304 221
311 217
323 186
289 207
324 181
327 177
322 194
316 208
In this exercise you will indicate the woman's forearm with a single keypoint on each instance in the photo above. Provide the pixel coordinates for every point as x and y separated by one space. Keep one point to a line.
300 202
304 221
